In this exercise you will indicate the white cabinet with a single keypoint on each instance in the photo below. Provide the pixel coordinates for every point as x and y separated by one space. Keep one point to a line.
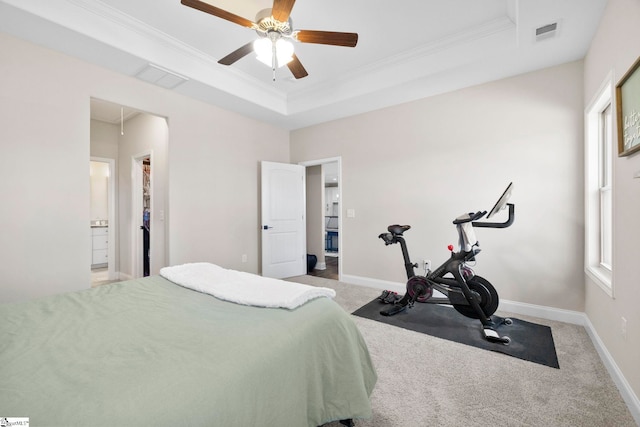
331 200
99 246
331 194
332 214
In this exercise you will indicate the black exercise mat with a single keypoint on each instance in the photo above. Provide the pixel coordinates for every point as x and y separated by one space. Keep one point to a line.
529 341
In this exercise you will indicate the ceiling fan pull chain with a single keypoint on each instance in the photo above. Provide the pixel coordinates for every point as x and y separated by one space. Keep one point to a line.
273 58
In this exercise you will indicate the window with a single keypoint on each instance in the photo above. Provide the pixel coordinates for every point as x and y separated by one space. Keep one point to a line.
598 182
606 201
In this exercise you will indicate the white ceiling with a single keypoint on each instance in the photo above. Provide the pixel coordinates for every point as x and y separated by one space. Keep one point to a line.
406 49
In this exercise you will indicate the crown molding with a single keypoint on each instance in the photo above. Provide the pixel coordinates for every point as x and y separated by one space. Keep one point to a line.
109 25
98 33
410 64
114 28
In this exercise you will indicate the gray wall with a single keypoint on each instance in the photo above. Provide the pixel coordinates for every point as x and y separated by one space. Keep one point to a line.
212 181
615 48
426 162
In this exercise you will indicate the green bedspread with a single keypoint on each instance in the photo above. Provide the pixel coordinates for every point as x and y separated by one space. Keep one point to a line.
150 353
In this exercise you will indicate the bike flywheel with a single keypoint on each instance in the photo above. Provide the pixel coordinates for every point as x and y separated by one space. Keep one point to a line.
418 285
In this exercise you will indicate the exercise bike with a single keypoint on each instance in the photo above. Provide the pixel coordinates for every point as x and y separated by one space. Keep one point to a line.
470 295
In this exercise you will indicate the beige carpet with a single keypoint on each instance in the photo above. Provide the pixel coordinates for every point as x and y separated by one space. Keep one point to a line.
427 381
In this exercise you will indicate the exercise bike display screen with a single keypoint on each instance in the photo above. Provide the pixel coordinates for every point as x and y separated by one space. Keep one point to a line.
502 201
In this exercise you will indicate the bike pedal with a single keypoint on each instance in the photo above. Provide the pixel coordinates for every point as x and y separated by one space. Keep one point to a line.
493 336
394 309
391 298
384 296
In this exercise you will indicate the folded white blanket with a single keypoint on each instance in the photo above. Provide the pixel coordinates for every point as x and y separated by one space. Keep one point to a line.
242 288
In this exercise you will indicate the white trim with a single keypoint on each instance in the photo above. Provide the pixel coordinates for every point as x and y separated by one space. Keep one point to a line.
112 27
549 313
630 398
601 277
373 283
603 97
543 312
423 54
321 266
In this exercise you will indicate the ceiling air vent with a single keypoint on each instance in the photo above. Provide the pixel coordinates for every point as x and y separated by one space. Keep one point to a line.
160 76
546 31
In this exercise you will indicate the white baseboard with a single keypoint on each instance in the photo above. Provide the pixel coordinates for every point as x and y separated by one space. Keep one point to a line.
321 266
625 389
374 283
549 313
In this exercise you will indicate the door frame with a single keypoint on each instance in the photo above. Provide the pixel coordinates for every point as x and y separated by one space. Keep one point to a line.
111 215
137 243
338 159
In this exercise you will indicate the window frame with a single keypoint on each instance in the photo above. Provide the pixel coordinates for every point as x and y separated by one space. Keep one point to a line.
599 166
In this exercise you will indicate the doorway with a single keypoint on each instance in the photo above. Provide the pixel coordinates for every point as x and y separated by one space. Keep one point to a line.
142 193
132 138
324 222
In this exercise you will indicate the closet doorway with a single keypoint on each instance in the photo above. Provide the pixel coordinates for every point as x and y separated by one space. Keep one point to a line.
141 210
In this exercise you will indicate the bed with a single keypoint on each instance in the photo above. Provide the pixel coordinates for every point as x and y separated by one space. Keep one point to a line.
151 352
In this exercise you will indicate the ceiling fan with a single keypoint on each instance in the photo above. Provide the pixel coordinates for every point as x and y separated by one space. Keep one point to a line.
275 28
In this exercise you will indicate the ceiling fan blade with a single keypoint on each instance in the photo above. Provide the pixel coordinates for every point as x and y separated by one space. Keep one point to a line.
327 37
237 54
212 10
296 68
282 9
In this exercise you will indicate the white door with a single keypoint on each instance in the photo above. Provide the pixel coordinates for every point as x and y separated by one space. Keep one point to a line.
283 220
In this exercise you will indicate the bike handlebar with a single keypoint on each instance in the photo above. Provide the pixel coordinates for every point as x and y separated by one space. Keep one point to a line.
507 223
472 216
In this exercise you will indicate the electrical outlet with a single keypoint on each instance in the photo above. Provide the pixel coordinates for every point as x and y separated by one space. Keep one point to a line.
244 258
426 263
623 328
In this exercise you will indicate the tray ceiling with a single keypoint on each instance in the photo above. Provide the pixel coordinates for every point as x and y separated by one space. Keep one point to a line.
406 50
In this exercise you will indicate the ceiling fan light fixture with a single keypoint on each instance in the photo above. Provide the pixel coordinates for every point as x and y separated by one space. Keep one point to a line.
264 51
284 52
275 28
267 50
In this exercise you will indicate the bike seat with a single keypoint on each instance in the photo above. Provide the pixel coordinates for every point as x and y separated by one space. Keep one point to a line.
398 229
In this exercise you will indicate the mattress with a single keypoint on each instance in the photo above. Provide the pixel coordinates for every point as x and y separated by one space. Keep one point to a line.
150 352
